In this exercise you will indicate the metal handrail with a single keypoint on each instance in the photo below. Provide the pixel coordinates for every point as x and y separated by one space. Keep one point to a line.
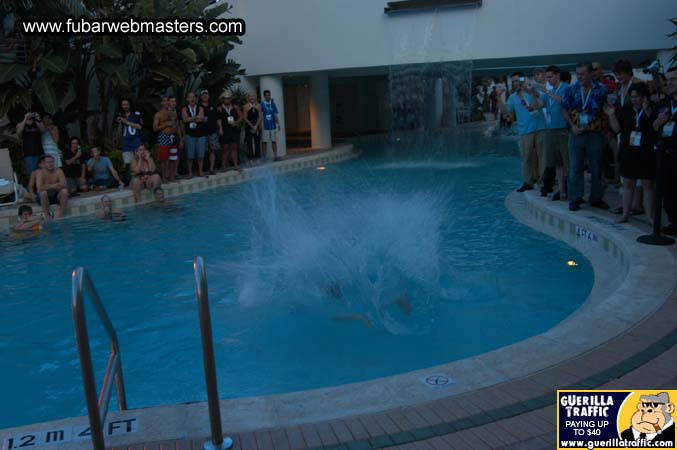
96 409
218 442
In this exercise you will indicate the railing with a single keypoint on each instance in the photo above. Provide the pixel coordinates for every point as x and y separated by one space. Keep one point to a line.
218 442
96 409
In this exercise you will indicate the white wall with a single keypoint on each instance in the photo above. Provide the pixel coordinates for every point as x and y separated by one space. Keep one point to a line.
307 35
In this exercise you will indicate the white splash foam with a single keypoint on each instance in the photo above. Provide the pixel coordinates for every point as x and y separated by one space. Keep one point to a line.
376 247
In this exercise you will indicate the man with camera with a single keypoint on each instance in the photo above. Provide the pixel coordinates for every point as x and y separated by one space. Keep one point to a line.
522 105
665 118
30 132
130 124
555 151
582 109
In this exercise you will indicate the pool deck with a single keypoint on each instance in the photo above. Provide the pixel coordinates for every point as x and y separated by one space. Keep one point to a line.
622 337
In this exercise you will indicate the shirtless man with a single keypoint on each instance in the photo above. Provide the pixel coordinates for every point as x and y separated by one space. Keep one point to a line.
32 183
52 187
170 137
334 290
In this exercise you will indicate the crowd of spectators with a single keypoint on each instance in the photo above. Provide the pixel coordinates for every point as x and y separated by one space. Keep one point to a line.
566 128
197 133
599 120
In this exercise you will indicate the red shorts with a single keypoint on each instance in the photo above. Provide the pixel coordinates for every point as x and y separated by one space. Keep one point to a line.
166 153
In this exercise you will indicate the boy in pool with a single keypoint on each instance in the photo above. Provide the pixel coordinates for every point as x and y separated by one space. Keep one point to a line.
27 221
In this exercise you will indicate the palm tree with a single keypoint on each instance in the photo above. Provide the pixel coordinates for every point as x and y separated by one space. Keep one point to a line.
55 73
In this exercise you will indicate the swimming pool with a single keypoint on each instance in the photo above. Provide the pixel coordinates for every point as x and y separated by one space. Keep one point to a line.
403 259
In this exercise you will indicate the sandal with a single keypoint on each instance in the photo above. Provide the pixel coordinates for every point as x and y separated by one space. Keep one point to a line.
618 210
636 212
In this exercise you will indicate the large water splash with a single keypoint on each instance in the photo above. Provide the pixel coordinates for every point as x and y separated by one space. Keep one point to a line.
371 256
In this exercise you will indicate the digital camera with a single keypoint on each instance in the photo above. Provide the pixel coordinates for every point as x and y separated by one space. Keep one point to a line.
653 68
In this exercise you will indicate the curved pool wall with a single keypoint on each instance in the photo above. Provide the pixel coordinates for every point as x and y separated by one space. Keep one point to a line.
85 206
611 308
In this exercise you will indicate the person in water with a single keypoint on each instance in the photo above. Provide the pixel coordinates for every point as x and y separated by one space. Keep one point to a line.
107 212
333 289
159 194
27 221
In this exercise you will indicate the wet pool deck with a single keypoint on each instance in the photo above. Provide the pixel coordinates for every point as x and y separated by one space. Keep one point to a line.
515 407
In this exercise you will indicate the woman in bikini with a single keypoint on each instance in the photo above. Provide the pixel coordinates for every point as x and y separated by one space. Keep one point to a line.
144 173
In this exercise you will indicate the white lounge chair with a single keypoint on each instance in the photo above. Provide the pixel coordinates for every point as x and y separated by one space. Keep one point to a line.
8 180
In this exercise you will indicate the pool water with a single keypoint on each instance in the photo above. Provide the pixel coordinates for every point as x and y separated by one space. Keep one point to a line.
402 259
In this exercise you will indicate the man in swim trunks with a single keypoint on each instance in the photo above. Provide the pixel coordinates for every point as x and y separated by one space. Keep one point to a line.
170 138
52 187
33 182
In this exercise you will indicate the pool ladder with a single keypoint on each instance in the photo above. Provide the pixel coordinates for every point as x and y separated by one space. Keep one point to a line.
97 409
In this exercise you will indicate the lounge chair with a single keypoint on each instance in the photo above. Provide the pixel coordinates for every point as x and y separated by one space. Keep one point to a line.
8 181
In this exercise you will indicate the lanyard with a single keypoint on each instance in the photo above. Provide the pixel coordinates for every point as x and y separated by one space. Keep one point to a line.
624 91
227 108
192 110
637 117
524 102
672 106
269 106
551 100
587 99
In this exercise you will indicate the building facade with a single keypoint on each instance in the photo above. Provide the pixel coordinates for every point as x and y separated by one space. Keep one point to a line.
326 56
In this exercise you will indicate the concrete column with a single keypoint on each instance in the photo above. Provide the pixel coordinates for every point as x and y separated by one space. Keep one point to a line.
320 113
303 108
274 85
438 99
433 104
453 104
366 109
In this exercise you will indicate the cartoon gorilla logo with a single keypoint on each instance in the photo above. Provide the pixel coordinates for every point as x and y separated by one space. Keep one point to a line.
653 420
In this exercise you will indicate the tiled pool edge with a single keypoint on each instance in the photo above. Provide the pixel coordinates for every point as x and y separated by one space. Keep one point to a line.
536 210
83 206
603 241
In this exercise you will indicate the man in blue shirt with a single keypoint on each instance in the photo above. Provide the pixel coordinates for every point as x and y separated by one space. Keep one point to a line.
271 123
103 174
582 109
556 139
130 124
530 120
